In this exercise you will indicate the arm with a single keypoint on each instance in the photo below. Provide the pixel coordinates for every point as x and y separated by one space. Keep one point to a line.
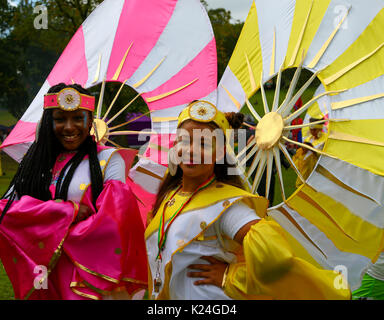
272 269
111 242
239 237
234 223
215 272
115 170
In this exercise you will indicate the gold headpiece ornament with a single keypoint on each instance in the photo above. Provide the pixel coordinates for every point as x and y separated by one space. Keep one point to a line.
204 111
69 99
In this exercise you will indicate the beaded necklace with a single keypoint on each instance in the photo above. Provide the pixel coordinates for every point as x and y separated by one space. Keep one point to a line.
162 233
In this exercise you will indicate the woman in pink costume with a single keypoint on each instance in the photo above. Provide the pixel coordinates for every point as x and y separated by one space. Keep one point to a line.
70 227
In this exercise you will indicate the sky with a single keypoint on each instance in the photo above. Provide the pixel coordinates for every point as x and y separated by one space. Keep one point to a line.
239 8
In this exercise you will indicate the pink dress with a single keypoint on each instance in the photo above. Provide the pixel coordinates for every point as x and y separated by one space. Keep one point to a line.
46 256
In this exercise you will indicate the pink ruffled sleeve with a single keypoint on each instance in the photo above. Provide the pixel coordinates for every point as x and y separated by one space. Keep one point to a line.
31 235
108 248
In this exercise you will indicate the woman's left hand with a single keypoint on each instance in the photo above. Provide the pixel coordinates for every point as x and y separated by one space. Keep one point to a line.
83 213
212 273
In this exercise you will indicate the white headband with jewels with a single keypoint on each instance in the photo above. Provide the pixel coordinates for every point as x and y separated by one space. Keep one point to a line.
69 99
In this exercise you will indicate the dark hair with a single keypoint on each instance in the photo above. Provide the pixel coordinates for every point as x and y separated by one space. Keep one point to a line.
34 174
315 119
221 170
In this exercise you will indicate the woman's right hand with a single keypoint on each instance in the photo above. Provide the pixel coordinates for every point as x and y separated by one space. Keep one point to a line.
212 273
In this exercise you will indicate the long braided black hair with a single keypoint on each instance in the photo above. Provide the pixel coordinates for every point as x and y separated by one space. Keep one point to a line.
34 174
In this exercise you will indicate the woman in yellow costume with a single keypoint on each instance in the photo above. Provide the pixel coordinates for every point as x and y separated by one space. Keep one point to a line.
209 238
304 159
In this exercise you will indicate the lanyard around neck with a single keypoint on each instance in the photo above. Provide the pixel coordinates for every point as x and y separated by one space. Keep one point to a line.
162 234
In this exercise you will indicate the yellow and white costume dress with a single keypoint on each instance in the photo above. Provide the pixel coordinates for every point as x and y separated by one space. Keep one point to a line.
205 227
265 267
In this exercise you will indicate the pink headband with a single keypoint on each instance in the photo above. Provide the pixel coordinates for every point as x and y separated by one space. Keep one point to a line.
69 99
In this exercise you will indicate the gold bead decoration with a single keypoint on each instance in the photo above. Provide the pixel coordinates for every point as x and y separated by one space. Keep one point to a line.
180 243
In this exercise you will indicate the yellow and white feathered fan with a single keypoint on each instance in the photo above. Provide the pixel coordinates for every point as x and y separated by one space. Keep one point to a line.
336 217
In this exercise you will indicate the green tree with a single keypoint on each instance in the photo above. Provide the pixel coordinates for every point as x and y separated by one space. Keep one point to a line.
204 3
12 92
29 53
226 35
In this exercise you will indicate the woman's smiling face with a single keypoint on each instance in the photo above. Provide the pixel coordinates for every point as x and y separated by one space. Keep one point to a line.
71 128
197 153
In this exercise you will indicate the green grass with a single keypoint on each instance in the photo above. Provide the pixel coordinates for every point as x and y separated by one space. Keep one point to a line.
289 179
6 118
9 167
6 291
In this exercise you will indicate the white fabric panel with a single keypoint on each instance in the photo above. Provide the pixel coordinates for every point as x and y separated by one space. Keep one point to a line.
99 35
368 110
232 84
166 126
35 110
181 41
364 208
358 179
355 264
377 270
211 97
115 169
168 112
278 15
17 151
147 182
359 17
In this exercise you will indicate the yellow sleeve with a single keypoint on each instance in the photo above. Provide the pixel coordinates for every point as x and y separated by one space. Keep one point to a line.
272 270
